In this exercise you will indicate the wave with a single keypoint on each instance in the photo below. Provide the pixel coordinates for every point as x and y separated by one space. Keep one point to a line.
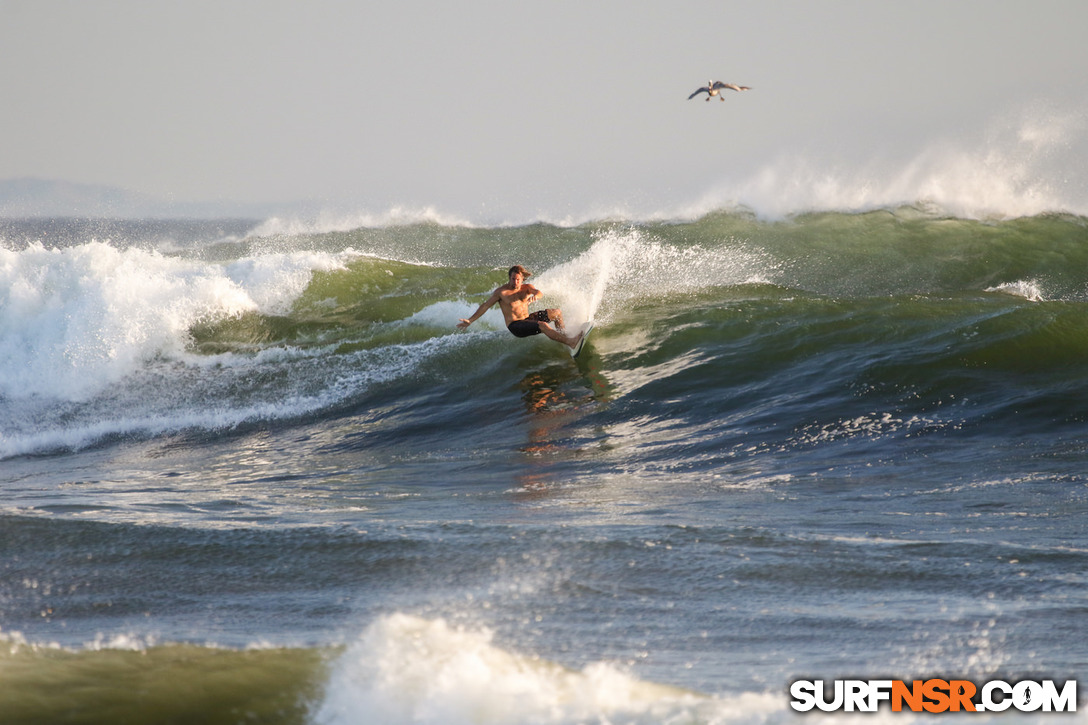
409 669
77 319
328 221
100 340
402 669
406 669
121 681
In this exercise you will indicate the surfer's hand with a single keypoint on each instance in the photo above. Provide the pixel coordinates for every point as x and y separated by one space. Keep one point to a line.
463 324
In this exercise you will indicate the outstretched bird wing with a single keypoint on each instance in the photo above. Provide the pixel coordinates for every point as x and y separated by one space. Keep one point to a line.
733 86
704 89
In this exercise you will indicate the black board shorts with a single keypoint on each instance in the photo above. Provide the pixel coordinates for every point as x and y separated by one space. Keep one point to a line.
530 325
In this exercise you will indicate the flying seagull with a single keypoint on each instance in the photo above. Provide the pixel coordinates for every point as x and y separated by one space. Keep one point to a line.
714 88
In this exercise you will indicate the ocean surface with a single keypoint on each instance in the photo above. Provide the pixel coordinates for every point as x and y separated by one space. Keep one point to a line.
250 472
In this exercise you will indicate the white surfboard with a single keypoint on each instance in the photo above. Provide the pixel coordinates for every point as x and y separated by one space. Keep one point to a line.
586 329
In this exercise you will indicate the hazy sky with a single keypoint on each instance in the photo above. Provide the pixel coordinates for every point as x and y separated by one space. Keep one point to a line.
506 106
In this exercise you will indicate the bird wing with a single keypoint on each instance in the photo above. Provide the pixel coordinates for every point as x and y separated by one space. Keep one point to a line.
733 86
701 90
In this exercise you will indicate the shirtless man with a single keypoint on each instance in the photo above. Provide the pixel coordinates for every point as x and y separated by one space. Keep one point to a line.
514 298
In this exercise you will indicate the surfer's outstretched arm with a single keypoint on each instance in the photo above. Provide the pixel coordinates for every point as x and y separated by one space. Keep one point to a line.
487 305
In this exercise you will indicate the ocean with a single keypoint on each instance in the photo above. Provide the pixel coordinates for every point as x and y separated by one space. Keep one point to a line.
252 473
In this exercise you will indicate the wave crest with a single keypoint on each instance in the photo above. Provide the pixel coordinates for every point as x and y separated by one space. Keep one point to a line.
409 669
1017 167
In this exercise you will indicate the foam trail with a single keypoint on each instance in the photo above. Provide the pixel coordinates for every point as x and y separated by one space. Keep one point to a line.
1029 289
220 393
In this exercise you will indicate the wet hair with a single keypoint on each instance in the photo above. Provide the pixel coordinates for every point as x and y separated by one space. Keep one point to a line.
526 274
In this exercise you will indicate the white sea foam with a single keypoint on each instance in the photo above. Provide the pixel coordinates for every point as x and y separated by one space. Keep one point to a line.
75 320
407 669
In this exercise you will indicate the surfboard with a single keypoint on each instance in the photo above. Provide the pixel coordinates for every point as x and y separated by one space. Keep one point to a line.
586 329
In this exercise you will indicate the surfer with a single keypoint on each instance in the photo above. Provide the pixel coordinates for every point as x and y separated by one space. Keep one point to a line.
513 299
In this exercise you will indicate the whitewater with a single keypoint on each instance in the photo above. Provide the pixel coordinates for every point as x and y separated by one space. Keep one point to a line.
829 425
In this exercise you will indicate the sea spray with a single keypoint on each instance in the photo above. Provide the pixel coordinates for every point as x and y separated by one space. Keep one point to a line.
627 264
407 669
1025 162
1024 165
